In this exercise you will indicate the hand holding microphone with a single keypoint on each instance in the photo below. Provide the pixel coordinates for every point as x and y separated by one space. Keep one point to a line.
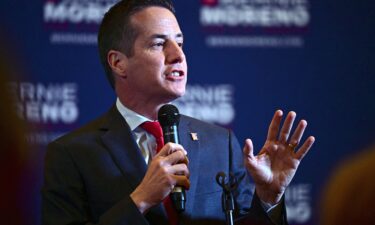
161 177
169 119
167 173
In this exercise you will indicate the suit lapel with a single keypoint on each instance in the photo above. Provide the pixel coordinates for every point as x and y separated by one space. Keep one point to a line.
126 154
124 150
192 147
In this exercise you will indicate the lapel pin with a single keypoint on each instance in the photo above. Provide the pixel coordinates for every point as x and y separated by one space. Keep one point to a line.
194 136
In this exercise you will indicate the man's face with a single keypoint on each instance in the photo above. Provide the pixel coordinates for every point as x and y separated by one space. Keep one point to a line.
157 70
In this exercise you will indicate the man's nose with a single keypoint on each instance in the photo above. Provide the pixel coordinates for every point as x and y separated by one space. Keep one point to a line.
174 53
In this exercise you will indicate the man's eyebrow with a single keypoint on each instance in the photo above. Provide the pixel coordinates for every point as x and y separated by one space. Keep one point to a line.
163 36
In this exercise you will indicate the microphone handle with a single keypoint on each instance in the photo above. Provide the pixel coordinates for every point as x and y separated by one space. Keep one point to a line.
170 134
177 195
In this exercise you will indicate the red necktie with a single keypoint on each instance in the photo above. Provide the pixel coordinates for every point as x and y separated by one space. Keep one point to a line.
154 128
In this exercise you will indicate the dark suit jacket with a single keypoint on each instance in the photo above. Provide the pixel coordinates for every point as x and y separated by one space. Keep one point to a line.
90 173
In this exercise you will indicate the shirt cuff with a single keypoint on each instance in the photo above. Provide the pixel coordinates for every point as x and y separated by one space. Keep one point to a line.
273 211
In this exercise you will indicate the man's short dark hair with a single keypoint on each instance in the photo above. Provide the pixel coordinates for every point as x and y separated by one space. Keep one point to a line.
116 31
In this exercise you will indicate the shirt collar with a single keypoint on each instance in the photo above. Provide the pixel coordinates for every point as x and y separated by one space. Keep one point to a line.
132 118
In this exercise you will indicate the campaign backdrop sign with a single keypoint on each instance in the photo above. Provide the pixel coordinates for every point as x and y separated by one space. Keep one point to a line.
246 58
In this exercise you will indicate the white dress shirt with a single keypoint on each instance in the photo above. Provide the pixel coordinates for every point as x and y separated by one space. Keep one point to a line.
144 140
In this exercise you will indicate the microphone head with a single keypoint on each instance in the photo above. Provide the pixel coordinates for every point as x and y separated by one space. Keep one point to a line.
168 115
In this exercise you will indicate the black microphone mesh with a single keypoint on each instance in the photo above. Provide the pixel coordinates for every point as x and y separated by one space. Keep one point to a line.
168 115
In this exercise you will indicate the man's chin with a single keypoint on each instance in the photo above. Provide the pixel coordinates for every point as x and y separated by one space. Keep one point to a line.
174 95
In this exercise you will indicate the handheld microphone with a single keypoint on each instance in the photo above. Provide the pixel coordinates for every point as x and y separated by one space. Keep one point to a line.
169 118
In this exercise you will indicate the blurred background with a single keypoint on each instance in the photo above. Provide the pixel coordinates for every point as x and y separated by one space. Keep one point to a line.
246 59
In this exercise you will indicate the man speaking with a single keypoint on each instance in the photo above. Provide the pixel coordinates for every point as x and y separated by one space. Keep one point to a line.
118 170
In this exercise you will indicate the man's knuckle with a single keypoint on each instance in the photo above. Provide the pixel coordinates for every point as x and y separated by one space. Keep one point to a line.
164 169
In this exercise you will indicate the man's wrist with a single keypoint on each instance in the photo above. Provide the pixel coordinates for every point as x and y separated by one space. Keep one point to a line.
142 205
268 197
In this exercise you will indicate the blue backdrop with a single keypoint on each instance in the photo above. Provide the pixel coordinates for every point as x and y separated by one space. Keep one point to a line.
246 59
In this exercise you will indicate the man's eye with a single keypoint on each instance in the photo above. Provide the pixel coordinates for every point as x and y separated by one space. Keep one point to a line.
158 44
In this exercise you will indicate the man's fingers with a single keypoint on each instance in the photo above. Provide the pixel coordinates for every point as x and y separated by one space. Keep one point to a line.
179 169
287 126
305 148
178 156
182 180
273 129
169 148
298 133
248 149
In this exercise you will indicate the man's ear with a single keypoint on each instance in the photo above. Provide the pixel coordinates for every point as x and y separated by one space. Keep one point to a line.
118 62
